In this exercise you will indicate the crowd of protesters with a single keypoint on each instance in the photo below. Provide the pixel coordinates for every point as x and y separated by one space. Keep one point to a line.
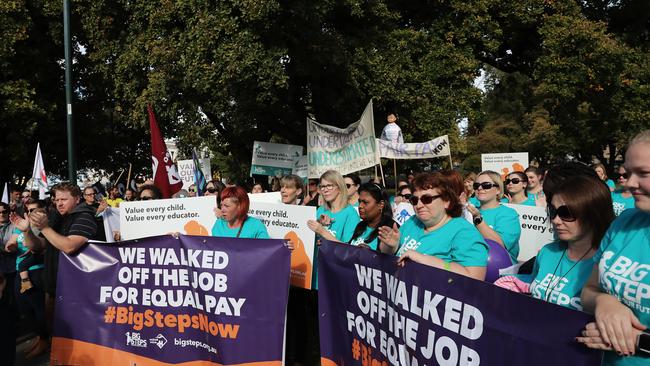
598 262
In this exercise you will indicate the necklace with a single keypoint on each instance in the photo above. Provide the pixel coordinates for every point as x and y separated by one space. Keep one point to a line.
557 282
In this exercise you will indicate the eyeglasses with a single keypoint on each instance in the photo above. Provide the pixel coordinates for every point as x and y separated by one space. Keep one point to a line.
513 181
426 199
563 212
191 190
484 185
326 187
211 189
145 198
30 210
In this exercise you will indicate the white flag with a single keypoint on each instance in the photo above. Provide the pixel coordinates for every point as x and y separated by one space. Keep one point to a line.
5 195
39 177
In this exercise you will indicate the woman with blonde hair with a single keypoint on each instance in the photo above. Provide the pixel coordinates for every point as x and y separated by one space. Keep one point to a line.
618 291
599 168
493 220
336 218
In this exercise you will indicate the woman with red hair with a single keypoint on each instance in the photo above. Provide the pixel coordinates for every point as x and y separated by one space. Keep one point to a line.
234 221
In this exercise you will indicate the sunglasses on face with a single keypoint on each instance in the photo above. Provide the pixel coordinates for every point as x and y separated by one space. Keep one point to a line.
211 189
349 185
145 198
191 190
625 175
513 181
563 212
484 185
406 196
4 212
426 199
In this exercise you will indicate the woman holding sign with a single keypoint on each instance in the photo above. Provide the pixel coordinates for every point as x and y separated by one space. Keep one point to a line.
336 218
234 221
437 235
581 211
375 211
493 220
618 291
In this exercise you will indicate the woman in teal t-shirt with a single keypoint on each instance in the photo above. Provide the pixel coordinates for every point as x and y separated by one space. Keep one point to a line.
602 174
581 211
234 221
516 184
336 219
437 236
622 197
618 291
375 211
494 221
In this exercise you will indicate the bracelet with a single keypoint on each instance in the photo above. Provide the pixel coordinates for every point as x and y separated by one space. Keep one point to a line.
447 266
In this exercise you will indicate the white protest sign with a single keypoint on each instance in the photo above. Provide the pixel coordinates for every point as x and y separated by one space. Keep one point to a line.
536 230
111 217
267 197
505 163
186 171
273 159
190 216
419 150
346 150
403 212
290 222
301 166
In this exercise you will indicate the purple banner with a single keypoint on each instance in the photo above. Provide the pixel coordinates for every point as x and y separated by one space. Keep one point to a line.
162 300
374 313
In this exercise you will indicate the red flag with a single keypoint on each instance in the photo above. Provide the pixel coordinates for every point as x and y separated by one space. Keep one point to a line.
165 176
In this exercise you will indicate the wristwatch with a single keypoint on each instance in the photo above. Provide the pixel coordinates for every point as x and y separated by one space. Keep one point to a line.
478 219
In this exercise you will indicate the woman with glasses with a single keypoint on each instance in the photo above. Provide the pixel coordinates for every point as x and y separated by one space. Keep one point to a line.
493 220
516 184
618 291
437 236
622 198
403 195
234 221
149 192
352 183
337 219
602 174
581 212
375 212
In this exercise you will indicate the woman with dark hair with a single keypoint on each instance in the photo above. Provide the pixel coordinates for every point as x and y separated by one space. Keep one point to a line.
516 184
437 236
258 187
375 212
622 198
149 192
234 221
534 187
352 183
618 291
581 211
493 220
599 168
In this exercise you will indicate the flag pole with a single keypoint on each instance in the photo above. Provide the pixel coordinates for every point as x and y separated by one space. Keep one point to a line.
395 171
381 169
72 162
128 178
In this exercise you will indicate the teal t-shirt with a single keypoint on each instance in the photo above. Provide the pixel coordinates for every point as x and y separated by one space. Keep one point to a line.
559 279
621 203
343 224
530 201
361 239
610 183
505 221
22 249
252 229
623 270
457 241
474 201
